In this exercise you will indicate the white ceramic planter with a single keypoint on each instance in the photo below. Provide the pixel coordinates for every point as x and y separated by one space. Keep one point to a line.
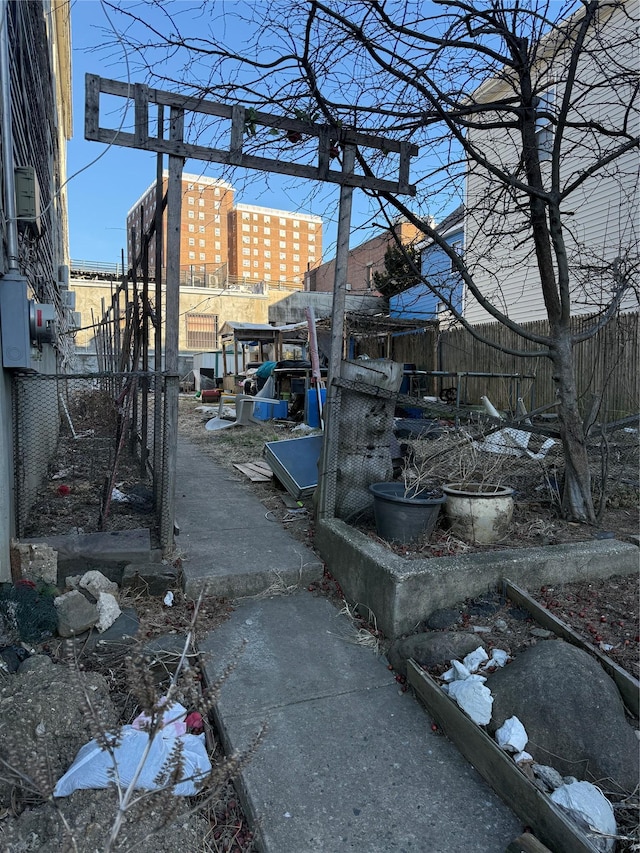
479 513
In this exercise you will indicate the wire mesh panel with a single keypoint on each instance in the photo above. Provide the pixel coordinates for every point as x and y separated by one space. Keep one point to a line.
80 456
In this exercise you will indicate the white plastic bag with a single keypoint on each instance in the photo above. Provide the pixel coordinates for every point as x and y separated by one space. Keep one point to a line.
95 767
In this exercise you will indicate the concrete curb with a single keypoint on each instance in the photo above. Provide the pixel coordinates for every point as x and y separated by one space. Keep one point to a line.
401 593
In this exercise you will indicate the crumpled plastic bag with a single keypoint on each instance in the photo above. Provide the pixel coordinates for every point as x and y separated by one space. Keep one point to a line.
94 768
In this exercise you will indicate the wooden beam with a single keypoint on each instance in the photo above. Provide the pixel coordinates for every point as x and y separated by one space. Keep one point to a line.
532 806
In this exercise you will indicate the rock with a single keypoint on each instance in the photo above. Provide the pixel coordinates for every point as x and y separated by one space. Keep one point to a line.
35 561
474 699
442 619
431 648
586 804
572 712
500 626
35 663
151 578
95 582
512 735
108 611
75 613
550 777
541 633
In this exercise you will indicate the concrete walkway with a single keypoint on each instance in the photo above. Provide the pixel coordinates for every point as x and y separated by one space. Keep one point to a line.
348 761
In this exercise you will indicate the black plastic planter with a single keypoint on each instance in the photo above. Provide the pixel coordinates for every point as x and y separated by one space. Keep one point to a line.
400 518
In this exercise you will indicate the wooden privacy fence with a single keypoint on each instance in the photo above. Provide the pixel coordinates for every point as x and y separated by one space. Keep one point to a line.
607 362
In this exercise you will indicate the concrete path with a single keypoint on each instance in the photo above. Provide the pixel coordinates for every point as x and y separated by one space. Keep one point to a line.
348 762
229 546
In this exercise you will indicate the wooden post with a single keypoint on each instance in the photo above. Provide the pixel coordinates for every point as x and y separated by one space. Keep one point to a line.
172 327
329 460
157 341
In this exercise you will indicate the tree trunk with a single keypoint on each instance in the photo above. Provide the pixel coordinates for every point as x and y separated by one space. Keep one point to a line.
577 501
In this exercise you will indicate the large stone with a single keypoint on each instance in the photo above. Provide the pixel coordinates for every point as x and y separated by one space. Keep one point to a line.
108 611
94 582
75 613
34 562
572 712
431 648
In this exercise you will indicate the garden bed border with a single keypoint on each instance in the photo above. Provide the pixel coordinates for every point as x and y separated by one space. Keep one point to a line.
400 593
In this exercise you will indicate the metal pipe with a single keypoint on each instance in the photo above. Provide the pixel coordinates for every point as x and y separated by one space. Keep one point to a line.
7 141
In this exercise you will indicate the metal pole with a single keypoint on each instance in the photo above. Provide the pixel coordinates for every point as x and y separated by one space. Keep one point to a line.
157 341
172 379
329 462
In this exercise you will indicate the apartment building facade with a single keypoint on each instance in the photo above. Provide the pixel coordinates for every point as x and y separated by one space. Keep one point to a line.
222 242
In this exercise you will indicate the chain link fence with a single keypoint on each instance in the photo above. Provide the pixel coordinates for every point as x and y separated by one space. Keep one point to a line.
89 453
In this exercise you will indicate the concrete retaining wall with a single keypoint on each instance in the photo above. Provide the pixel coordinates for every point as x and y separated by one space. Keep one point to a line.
401 593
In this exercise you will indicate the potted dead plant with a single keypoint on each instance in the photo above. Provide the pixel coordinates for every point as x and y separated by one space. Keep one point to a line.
406 510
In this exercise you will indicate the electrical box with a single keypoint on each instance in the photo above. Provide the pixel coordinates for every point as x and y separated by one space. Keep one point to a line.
27 197
69 299
14 321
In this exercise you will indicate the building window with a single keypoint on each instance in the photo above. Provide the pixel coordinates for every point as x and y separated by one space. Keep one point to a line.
267 276
245 217
283 257
255 217
216 232
544 124
201 229
202 256
192 228
457 248
255 229
256 264
246 263
246 251
246 228
218 259
267 242
202 243
267 219
296 269
190 200
283 233
283 244
246 240
311 259
296 247
192 256
191 214
311 226
216 191
216 205
267 265
256 252
200 202
217 244
202 331
267 254
192 241
216 218
296 257
267 230
189 186
296 223
283 221
283 267
312 238
201 216
200 188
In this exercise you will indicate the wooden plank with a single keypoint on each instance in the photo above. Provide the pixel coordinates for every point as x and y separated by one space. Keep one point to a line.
251 473
628 686
247 161
527 843
531 805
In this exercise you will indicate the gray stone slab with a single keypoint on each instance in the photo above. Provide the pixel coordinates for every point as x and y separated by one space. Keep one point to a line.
347 762
228 546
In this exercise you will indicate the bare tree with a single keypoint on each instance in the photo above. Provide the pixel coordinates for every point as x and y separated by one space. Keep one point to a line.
530 104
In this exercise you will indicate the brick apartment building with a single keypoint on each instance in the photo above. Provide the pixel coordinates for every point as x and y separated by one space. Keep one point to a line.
364 260
222 242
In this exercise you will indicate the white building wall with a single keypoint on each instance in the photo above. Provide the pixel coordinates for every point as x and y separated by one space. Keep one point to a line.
602 221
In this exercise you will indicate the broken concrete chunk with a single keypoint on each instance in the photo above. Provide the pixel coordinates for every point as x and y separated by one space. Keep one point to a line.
76 614
95 582
34 561
587 806
474 698
473 660
108 611
511 735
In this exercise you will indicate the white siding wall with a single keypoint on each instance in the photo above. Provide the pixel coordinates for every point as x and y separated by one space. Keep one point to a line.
604 220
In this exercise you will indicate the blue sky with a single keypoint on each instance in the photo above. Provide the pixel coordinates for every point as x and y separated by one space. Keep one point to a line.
110 180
